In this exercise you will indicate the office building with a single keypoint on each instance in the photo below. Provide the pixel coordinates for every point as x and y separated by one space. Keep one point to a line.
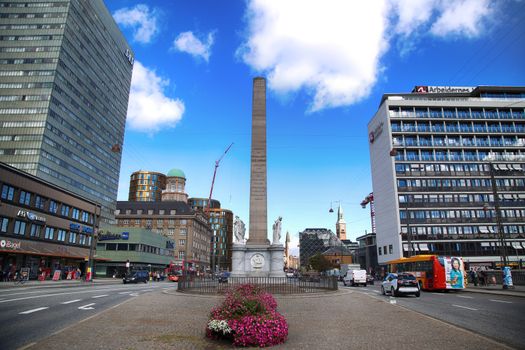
146 186
43 227
448 173
65 71
221 224
189 229
367 253
314 241
143 249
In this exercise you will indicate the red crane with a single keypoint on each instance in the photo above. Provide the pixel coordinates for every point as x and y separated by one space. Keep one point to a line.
370 200
217 162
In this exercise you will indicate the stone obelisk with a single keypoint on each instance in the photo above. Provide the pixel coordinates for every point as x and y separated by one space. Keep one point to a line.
258 231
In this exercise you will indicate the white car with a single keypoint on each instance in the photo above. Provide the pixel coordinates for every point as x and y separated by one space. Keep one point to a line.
402 283
355 278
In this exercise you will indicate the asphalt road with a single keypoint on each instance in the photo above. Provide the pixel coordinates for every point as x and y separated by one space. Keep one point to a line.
501 318
31 314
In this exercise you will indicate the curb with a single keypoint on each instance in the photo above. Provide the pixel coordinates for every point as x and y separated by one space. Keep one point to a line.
496 292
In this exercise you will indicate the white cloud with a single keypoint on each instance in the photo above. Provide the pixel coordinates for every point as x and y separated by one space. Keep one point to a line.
149 108
141 19
332 49
329 48
465 17
189 43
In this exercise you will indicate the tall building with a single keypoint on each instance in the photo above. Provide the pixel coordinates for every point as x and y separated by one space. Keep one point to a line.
65 72
340 226
221 224
146 186
448 173
175 186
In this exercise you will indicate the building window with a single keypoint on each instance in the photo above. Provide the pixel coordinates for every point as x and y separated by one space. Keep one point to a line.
173 212
61 235
82 239
35 230
20 227
183 222
8 192
53 207
64 211
150 212
380 251
182 255
390 249
160 222
161 211
111 246
183 231
72 237
25 198
40 202
137 222
3 224
50 233
75 214
171 232
85 216
182 242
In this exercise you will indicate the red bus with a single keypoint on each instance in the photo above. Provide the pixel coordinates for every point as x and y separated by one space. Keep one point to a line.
433 272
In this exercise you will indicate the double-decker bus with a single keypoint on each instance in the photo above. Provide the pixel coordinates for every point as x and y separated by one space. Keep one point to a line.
433 272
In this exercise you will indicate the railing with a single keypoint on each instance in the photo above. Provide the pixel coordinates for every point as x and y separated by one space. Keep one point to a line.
274 285
518 276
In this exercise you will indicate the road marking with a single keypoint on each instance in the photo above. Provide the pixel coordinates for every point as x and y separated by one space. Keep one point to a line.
464 296
438 294
124 292
393 301
465 307
501 301
33 310
70 302
86 307
88 290
376 291
134 295
99 296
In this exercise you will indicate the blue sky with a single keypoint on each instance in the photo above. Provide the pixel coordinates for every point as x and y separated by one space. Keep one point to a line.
327 65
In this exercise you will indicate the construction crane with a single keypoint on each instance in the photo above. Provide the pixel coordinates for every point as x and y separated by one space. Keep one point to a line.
370 200
217 162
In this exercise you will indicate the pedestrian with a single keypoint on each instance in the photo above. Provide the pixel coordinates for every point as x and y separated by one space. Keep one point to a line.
481 277
79 273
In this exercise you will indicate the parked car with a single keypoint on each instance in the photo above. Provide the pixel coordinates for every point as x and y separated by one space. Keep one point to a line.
369 279
398 284
136 277
355 277
223 277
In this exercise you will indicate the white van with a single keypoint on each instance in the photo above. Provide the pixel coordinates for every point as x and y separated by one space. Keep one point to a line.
355 277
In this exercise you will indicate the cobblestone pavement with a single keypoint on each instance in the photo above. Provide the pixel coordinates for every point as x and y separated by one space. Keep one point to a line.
336 320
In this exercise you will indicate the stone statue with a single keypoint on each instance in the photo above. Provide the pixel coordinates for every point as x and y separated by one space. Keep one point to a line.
239 230
277 230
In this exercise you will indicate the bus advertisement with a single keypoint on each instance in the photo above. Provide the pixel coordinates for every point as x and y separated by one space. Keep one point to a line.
432 272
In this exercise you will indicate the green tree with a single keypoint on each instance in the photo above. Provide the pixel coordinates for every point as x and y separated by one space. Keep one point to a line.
319 263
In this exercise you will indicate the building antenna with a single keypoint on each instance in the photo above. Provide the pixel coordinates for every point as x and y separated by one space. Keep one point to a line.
217 162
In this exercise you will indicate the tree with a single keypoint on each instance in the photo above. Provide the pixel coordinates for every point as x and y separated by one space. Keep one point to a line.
320 263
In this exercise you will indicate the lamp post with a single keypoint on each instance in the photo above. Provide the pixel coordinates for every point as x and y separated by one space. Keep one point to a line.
393 153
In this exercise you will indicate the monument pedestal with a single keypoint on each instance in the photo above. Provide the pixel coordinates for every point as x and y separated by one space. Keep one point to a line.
257 260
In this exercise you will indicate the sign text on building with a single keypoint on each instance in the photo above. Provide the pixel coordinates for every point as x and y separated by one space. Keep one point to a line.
423 89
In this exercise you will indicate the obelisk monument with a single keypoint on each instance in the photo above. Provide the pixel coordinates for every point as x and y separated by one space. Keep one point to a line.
257 258
258 204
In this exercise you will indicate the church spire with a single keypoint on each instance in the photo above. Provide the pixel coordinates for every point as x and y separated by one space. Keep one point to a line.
340 225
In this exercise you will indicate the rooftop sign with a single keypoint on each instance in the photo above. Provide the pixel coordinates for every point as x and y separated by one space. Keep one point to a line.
423 89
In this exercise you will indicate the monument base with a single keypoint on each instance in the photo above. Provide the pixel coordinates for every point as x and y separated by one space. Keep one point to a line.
257 260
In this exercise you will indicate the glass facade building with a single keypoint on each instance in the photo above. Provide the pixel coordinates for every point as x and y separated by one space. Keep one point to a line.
65 71
444 160
146 186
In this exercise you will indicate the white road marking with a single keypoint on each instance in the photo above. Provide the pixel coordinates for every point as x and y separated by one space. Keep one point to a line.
465 307
124 292
393 301
501 301
438 294
376 291
99 296
86 307
70 302
33 310
464 296
134 295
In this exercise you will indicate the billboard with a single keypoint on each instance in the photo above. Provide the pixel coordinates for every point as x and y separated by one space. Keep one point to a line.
454 272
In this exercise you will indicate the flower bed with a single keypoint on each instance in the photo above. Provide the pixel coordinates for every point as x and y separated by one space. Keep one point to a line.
248 317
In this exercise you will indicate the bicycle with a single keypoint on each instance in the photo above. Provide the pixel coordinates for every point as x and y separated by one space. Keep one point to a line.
21 278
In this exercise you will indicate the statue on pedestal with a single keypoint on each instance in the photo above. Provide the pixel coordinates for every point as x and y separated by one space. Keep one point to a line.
239 230
277 230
